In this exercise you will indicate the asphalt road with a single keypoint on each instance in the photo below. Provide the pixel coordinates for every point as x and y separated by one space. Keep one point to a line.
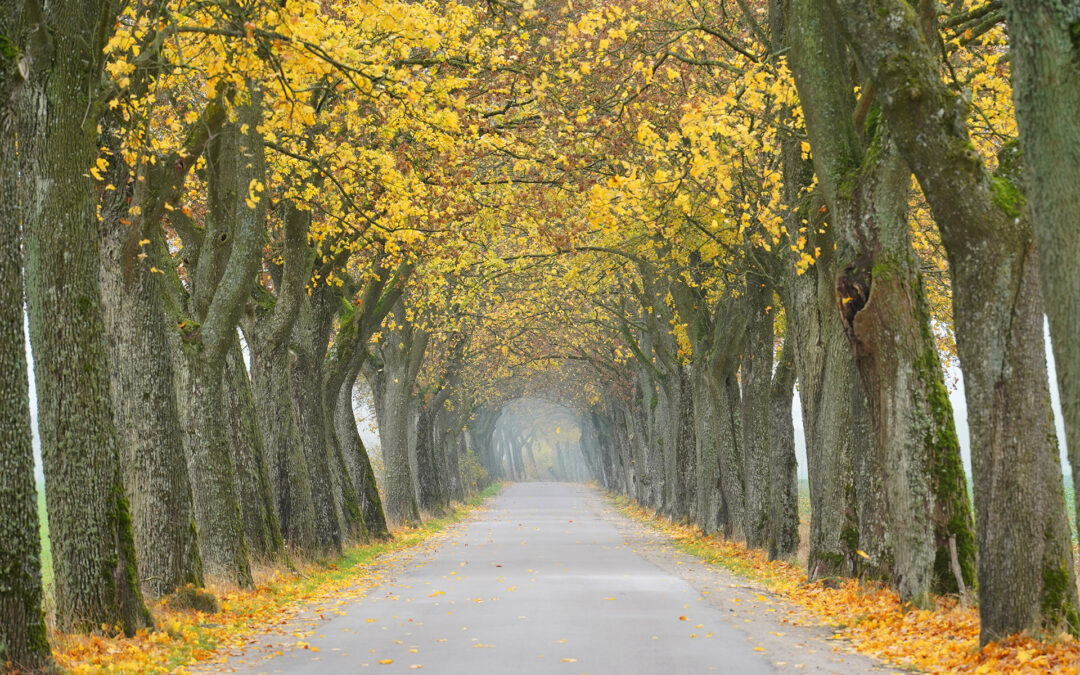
551 579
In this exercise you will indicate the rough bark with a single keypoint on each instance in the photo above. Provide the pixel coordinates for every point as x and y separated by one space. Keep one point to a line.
360 465
881 301
1045 50
262 530
431 497
307 391
826 373
1025 582
90 524
401 352
146 412
757 366
222 279
24 643
286 464
784 485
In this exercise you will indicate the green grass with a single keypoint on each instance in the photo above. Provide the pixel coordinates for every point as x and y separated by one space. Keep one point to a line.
46 546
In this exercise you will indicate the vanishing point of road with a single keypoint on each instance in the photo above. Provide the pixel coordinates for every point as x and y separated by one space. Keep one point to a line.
550 578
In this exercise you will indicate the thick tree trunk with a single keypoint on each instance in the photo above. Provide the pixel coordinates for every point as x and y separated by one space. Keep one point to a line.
1025 582
712 510
262 530
286 464
726 404
306 379
757 366
880 298
147 414
23 640
1045 50
402 351
826 374
431 494
213 483
93 549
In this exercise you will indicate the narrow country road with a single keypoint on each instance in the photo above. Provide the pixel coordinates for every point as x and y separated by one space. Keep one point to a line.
552 579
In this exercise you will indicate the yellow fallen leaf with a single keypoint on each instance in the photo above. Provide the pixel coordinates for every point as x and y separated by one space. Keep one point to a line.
386 662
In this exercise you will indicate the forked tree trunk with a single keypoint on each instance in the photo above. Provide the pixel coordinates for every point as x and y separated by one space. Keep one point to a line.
1025 581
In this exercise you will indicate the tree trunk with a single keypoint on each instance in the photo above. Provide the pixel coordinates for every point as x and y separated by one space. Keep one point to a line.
431 493
213 482
712 509
1025 582
306 379
23 640
784 481
1045 50
356 456
262 530
147 415
881 301
757 366
286 465
90 523
826 374
401 351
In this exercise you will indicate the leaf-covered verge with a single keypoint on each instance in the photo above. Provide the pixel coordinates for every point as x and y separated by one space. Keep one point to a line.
870 616
186 637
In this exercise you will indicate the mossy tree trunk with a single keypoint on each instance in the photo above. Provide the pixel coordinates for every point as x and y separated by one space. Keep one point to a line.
93 548
1044 44
881 301
1025 581
145 405
24 643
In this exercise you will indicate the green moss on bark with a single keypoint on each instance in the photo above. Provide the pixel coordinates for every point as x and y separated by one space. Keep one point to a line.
1057 600
1007 196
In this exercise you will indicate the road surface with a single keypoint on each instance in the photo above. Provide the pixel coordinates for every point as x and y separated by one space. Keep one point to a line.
551 579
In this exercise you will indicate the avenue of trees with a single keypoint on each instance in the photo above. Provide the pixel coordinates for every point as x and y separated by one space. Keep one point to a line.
227 221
